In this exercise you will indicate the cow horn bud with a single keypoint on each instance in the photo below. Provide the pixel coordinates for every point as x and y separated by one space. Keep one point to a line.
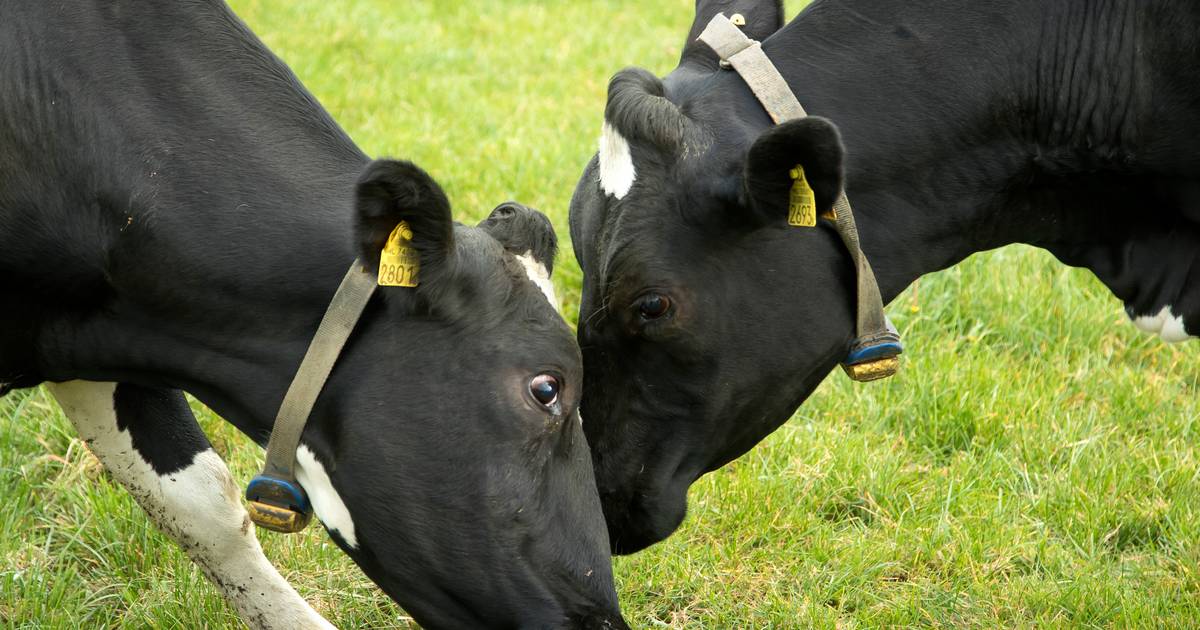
638 108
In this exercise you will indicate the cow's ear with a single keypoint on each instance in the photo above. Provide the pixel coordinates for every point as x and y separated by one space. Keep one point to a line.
762 19
812 143
391 191
521 229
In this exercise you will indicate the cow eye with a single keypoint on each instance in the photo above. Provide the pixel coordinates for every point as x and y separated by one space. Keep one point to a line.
653 306
544 389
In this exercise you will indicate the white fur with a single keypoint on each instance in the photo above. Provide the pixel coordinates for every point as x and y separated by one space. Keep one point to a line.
617 173
198 506
1165 324
538 275
327 503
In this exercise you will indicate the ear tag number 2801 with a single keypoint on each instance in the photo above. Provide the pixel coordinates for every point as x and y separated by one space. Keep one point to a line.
802 202
399 262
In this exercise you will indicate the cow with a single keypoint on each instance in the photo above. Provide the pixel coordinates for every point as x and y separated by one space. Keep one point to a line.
176 211
706 319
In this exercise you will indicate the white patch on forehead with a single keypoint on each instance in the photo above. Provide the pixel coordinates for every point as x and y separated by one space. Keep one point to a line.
327 503
538 275
1165 324
616 163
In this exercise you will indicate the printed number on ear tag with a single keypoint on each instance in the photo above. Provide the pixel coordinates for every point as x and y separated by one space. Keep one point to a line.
399 262
802 202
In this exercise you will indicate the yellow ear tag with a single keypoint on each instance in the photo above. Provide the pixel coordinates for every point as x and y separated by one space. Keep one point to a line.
802 203
399 262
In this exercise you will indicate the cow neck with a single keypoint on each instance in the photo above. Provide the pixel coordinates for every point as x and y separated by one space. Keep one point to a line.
229 225
873 354
231 329
927 162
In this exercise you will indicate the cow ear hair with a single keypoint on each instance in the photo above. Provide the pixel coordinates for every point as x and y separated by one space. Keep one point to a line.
812 143
391 191
519 229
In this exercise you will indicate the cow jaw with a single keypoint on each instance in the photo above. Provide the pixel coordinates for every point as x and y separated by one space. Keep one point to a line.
327 503
617 173
1165 324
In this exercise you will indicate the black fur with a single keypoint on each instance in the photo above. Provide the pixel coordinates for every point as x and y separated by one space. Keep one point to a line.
160 425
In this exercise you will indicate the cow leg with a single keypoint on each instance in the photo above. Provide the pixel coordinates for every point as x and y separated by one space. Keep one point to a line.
150 442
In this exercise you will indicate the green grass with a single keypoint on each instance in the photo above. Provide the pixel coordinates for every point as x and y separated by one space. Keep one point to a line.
1034 465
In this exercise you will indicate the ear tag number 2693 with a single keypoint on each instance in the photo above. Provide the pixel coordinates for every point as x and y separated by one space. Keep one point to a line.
399 262
802 202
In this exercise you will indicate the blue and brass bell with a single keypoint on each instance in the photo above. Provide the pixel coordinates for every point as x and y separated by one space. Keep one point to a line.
278 504
874 356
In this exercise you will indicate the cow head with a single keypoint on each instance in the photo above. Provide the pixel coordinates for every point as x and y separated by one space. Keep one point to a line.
446 456
705 317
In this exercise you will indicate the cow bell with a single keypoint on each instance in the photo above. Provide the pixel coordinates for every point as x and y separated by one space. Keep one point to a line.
278 504
874 356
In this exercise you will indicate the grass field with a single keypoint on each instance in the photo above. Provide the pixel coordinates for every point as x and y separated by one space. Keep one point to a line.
1034 465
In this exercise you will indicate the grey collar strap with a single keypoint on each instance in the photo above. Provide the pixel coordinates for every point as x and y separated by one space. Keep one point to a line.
747 57
276 501
877 339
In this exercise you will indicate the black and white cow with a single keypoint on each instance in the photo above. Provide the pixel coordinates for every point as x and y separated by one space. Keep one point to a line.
176 211
706 319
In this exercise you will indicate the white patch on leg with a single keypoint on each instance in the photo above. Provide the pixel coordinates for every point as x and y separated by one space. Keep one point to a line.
538 275
198 506
1165 324
327 503
617 173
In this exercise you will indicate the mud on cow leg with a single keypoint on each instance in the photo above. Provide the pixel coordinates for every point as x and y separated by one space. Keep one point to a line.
150 443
